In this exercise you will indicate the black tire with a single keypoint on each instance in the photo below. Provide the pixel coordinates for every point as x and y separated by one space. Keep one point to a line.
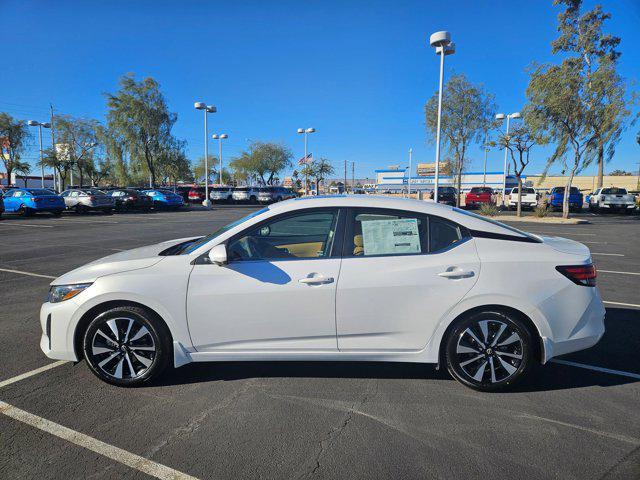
108 211
24 211
80 209
495 366
135 352
253 200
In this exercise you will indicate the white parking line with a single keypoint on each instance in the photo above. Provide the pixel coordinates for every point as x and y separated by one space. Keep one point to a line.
22 376
596 369
5 224
621 273
26 273
119 455
608 254
621 304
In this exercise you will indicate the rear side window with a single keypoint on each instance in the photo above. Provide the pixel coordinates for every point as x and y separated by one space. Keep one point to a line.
443 234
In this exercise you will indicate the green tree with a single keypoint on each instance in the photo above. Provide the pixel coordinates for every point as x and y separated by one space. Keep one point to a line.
264 160
582 36
199 171
51 159
138 114
319 169
13 141
519 143
620 173
22 169
77 138
467 109
173 164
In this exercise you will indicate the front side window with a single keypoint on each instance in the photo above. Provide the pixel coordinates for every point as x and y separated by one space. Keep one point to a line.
302 235
379 232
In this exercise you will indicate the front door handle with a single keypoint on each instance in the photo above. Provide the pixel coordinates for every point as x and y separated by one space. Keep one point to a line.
457 274
316 280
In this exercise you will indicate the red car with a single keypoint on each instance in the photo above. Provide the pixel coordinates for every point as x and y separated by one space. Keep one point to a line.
197 195
479 195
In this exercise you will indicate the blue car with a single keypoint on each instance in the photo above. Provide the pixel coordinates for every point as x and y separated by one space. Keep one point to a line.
556 197
27 201
164 199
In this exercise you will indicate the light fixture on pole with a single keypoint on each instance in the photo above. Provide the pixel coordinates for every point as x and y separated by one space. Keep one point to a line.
502 116
444 46
220 137
33 123
306 131
207 109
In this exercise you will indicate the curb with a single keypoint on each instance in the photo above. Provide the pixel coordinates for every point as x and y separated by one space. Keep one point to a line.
556 220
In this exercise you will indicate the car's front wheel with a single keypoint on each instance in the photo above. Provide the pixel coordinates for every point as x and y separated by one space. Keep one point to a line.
489 351
126 346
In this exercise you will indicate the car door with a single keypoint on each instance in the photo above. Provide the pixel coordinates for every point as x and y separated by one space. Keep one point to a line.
277 292
11 201
401 273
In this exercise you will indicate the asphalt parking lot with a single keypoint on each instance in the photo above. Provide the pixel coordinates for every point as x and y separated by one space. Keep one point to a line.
576 419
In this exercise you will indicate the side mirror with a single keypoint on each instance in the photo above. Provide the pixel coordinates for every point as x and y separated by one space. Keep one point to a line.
218 254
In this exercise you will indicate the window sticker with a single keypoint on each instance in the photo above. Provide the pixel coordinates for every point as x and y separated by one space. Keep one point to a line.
388 237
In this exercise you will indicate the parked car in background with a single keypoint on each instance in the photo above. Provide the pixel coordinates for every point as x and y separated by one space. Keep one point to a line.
128 199
27 201
1 206
245 194
164 199
196 195
221 194
271 194
478 196
183 191
446 195
556 197
529 198
611 199
87 199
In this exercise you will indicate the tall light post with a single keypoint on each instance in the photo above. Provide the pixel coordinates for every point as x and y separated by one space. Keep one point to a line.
410 170
444 46
306 132
207 109
34 123
502 116
220 137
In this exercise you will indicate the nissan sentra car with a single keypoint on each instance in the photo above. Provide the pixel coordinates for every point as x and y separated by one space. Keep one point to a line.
338 278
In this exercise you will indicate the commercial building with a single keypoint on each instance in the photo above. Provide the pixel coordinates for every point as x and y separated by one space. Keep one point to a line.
396 180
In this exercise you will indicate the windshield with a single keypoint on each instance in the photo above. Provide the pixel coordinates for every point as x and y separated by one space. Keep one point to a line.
190 247
495 222
40 191
614 191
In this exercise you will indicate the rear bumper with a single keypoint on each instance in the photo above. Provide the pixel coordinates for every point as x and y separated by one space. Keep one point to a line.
587 331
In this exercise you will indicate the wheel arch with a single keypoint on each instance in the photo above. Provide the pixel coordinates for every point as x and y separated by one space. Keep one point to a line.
94 311
499 308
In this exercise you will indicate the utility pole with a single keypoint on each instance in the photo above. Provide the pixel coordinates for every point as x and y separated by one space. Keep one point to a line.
410 172
345 177
353 176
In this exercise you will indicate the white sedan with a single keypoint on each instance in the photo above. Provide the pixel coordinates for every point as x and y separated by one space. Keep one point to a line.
351 278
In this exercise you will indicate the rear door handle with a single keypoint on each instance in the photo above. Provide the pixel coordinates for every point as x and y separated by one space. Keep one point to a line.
316 280
457 274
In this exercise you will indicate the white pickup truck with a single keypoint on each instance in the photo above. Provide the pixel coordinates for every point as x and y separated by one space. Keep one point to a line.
611 199
529 198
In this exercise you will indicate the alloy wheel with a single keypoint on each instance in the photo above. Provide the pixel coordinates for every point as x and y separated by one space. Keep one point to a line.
123 348
489 351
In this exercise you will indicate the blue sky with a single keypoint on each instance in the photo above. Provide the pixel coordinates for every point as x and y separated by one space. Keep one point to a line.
358 71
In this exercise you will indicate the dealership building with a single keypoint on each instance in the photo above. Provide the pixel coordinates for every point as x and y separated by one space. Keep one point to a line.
398 180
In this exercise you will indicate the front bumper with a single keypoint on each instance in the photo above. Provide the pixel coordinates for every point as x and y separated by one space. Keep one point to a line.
58 327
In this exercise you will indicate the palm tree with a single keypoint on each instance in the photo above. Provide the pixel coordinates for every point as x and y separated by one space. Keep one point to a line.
22 169
321 170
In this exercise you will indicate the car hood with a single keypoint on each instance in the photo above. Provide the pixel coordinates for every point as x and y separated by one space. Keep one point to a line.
565 245
143 257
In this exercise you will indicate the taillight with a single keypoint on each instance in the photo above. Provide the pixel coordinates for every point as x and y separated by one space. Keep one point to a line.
92 198
580 274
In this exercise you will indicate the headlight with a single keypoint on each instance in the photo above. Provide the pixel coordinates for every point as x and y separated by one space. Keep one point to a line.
59 293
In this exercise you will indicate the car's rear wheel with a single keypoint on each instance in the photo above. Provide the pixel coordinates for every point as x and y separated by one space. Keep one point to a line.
489 351
24 211
126 346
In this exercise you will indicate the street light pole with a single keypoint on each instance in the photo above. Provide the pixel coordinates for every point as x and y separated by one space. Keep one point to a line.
486 151
306 131
502 116
444 46
207 109
33 123
410 170
221 137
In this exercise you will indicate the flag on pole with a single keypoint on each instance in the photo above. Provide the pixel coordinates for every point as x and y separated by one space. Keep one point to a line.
306 160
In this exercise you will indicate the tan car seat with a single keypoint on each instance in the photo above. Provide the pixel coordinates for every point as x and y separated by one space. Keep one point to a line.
358 248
